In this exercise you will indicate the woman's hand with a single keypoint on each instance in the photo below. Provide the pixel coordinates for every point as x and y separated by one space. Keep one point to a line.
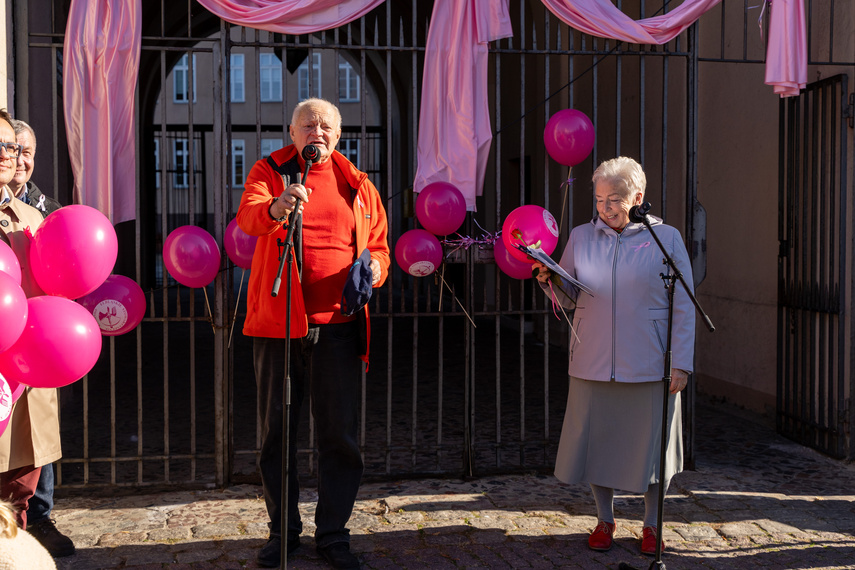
679 379
543 274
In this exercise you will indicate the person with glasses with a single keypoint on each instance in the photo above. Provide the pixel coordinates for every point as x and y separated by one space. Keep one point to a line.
612 432
39 521
21 185
31 439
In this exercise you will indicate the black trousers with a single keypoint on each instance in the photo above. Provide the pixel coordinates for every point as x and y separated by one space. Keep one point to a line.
326 365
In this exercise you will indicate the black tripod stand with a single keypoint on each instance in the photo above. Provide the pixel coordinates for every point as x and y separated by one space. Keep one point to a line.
639 214
286 257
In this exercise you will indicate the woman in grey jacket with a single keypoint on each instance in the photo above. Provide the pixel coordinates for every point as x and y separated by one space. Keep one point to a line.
612 426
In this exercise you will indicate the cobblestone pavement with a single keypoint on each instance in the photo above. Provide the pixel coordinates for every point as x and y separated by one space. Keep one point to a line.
755 500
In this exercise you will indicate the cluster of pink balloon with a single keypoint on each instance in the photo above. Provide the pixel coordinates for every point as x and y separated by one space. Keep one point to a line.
569 139
527 225
191 255
440 209
48 340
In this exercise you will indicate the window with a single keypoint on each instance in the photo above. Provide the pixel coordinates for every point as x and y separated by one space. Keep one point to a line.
303 77
238 162
350 149
238 80
270 76
180 84
270 145
181 163
348 82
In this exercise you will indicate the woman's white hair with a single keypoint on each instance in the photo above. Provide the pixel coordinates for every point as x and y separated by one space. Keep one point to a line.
624 174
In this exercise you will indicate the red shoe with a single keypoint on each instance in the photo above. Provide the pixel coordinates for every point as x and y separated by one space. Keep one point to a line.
648 541
601 538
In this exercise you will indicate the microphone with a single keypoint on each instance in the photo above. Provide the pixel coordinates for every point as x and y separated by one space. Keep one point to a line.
310 154
639 213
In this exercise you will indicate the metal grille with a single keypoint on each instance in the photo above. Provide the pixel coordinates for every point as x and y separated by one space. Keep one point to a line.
812 263
468 368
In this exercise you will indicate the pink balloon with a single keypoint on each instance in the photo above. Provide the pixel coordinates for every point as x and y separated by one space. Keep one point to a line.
192 256
16 387
239 245
6 401
13 311
526 226
73 251
60 344
569 136
9 263
509 264
440 208
118 305
418 252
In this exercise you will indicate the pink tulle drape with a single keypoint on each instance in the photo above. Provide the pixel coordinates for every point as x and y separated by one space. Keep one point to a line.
99 74
454 118
290 16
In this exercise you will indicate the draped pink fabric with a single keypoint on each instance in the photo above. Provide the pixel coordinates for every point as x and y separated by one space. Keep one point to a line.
454 118
786 57
786 53
602 18
290 16
99 74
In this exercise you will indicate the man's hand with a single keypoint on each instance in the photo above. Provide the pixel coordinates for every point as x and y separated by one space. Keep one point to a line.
376 271
284 204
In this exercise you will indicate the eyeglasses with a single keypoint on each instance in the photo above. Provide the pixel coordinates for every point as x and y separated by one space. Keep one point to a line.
12 149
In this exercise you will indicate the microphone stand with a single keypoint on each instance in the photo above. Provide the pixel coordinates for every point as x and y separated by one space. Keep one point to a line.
286 249
639 214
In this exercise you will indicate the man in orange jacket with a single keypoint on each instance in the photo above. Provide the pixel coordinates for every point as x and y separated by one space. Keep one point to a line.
342 215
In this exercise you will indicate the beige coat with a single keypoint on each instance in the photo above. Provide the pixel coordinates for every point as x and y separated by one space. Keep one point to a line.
32 436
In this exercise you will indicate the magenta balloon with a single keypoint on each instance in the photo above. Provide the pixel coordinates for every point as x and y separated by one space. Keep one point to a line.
60 345
191 256
73 251
16 387
569 136
118 305
9 262
440 208
6 400
418 252
13 311
533 224
509 264
240 246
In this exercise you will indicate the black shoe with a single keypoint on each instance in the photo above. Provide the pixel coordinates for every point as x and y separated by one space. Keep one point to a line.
56 543
339 556
270 554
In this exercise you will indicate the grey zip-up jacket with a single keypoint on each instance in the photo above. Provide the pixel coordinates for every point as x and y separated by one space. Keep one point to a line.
620 332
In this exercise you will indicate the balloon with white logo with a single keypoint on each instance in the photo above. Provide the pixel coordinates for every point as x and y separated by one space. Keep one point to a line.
418 252
118 305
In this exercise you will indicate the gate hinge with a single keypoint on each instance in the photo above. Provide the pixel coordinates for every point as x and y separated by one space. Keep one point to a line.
849 111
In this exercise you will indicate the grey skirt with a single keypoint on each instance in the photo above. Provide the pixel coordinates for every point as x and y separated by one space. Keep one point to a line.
612 433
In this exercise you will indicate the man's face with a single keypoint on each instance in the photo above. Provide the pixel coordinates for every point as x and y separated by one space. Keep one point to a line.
316 125
24 166
7 161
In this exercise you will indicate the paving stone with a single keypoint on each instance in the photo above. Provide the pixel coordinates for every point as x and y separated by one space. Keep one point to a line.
755 501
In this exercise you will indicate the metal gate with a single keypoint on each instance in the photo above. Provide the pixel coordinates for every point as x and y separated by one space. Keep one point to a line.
468 368
812 265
